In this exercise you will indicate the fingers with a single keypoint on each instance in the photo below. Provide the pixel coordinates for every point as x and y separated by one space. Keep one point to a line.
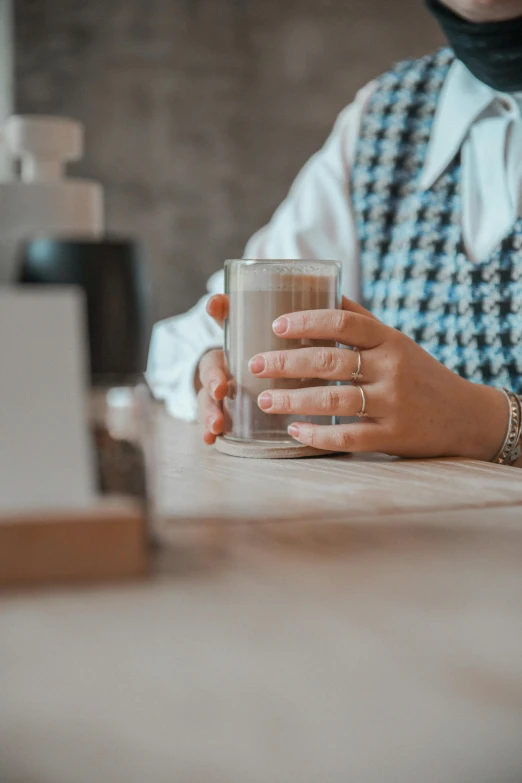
213 374
210 415
353 307
333 364
316 401
341 326
217 308
213 377
341 437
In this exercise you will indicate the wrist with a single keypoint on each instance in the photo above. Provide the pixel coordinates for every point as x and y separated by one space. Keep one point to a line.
490 415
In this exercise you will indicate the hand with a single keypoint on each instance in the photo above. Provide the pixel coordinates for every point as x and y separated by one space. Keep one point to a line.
212 378
418 407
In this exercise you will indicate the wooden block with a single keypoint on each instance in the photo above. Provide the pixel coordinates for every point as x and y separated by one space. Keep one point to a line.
105 543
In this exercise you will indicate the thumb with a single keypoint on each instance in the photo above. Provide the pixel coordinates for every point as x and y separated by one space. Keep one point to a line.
217 308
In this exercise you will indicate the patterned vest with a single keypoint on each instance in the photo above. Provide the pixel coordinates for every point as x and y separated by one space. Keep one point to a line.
415 273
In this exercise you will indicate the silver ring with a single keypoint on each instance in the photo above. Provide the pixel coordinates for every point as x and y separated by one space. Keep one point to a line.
362 413
357 375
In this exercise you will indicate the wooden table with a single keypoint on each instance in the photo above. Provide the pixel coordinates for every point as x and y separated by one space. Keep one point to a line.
326 620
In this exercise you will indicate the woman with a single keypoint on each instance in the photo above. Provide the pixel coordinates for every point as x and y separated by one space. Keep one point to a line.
419 191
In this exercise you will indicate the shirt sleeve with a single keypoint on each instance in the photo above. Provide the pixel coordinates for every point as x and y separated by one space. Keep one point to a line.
314 221
176 347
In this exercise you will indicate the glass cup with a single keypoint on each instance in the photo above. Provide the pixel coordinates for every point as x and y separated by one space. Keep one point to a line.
259 291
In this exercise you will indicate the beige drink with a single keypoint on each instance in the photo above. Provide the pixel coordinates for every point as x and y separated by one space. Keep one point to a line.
259 292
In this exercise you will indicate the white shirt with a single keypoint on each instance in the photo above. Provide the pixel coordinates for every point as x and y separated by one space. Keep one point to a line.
316 219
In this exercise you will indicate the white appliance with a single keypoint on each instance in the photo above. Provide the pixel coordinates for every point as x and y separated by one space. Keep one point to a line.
40 200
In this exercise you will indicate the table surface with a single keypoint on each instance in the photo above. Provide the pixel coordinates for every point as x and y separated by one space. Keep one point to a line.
316 620
201 486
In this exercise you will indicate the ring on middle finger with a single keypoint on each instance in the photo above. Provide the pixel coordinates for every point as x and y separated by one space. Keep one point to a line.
357 375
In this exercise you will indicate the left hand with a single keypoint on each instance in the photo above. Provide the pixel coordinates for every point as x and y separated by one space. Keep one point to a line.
418 407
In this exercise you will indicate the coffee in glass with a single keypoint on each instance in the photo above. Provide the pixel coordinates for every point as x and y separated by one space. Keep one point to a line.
259 292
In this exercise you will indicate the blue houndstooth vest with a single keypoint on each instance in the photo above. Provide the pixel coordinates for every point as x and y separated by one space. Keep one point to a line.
415 274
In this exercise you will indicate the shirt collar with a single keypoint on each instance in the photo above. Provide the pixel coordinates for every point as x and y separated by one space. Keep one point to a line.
462 101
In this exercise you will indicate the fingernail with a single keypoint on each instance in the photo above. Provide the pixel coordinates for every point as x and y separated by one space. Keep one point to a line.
293 430
265 401
213 386
280 325
257 364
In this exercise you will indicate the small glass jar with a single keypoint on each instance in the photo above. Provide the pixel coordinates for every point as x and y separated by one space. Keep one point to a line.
121 422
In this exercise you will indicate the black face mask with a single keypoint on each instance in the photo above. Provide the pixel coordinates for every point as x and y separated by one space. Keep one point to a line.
492 51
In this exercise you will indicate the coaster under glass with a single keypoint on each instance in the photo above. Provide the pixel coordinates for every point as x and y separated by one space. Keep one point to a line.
267 450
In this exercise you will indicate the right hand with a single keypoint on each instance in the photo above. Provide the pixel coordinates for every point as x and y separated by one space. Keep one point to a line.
212 378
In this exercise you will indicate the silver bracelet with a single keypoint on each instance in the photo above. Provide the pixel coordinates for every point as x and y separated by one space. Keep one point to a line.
512 447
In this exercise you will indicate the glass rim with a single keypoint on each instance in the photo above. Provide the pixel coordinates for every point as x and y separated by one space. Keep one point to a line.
252 261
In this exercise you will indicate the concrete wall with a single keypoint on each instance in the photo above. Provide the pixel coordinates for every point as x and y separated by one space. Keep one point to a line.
199 113
6 76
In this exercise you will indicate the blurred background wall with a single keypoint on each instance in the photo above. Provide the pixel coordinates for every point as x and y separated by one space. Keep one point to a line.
199 113
6 77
